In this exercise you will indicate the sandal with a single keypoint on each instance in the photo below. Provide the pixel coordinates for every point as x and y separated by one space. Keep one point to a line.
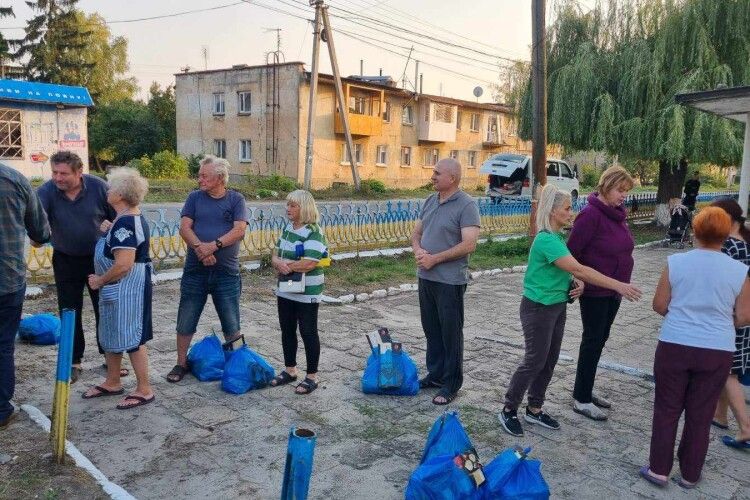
719 425
428 383
447 398
176 374
282 378
101 391
308 385
124 372
734 443
132 397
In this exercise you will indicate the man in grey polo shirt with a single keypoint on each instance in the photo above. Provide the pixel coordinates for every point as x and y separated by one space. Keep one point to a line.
76 205
442 240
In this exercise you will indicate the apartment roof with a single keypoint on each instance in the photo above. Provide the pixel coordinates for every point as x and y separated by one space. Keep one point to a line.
19 90
239 67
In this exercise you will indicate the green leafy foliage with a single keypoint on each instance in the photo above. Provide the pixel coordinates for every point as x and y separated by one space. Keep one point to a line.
372 186
589 176
163 109
163 165
194 164
277 182
122 131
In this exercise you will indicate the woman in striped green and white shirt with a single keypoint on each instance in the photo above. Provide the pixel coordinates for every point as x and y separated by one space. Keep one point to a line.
300 249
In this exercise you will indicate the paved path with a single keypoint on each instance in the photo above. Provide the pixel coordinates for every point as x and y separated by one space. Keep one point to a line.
197 442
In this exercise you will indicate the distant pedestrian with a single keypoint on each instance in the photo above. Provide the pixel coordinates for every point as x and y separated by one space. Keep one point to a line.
443 237
214 220
737 246
702 295
123 278
547 286
692 187
600 239
299 251
76 205
21 214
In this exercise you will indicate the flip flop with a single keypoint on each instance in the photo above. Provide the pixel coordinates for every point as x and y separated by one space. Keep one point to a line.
733 443
308 385
447 398
102 391
282 378
719 425
178 372
132 397
645 474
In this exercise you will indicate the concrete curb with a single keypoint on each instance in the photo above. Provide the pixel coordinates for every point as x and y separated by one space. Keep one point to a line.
114 491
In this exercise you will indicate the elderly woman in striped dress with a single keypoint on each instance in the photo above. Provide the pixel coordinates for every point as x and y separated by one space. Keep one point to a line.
300 250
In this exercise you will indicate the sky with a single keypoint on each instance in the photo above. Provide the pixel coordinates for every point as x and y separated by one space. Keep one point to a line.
238 32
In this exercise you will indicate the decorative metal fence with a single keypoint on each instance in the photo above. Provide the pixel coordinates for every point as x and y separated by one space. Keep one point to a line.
349 227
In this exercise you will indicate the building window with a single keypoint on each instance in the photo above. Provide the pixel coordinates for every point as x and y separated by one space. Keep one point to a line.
357 154
243 103
358 105
219 103
454 154
407 115
443 113
405 156
474 126
472 159
431 157
459 115
381 155
246 151
11 145
220 148
387 112
426 112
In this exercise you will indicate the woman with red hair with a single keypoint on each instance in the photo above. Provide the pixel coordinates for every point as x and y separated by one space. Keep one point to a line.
702 294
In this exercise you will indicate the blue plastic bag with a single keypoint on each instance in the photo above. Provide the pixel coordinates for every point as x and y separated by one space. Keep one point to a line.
439 478
245 370
206 359
40 329
511 475
447 437
409 376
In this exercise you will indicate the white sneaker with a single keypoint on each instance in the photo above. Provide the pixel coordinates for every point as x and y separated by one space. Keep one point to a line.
589 410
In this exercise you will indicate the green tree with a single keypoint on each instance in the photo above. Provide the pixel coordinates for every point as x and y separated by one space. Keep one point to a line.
163 108
614 72
4 46
122 131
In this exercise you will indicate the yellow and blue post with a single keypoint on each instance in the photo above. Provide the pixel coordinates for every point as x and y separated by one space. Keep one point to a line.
59 428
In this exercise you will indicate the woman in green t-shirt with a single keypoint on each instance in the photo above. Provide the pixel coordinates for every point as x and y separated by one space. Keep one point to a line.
547 286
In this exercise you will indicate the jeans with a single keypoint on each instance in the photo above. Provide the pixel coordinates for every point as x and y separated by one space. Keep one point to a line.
196 285
441 308
291 314
11 305
597 316
543 329
71 277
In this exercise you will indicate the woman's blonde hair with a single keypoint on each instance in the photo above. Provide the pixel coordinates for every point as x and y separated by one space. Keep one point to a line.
308 210
614 177
128 183
550 199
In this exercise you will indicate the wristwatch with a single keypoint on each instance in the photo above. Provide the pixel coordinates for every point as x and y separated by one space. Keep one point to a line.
218 242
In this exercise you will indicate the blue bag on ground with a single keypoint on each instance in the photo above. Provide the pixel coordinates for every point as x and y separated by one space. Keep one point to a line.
439 478
245 370
403 383
40 329
511 475
447 437
206 359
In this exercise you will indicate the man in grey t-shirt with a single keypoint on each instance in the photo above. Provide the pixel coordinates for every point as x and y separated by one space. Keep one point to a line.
442 240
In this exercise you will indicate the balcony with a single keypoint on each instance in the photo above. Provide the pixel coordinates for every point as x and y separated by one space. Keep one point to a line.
493 139
437 122
364 111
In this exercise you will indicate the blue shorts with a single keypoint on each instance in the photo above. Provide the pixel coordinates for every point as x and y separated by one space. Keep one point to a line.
195 287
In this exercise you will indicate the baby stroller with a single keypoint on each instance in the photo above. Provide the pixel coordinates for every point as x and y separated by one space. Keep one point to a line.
680 227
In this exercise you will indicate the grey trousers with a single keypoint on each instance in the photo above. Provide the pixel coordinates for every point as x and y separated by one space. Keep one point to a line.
543 329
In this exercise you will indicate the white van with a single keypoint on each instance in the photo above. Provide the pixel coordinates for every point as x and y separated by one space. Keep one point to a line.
510 175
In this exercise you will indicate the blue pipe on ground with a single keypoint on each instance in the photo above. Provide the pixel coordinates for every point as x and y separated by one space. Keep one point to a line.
299 461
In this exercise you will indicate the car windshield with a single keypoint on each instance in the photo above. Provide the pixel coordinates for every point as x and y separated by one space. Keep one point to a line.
510 158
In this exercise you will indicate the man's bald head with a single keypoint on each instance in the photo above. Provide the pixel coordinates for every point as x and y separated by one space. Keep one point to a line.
452 167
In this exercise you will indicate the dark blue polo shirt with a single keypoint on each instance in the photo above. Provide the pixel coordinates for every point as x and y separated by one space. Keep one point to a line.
75 223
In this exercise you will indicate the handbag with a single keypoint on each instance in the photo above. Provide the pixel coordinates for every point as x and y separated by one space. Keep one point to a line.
293 282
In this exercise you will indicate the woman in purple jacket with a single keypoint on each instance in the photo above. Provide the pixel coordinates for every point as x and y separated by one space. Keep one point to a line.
600 239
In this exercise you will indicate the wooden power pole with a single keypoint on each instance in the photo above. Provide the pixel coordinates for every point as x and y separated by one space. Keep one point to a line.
321 14
539 98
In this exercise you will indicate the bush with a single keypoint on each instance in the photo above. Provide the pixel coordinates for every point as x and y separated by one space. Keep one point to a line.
163 165
588 176
194 164
372 186
277 182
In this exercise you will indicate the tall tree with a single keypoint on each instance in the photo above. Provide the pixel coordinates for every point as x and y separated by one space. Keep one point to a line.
614 72
163 109
122 131
4 46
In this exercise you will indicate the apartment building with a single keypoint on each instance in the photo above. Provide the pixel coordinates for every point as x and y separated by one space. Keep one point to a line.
256 117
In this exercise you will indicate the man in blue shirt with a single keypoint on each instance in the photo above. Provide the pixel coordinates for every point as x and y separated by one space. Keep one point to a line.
76 205
214 220
21 214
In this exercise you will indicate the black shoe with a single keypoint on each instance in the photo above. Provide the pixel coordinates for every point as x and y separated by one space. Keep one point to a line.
7 420
511 424
542 419
428 383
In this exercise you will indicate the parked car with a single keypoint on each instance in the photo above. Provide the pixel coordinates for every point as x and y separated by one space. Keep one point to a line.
510 175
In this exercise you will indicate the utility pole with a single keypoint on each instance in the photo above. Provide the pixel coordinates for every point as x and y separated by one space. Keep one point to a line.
539 98
321 14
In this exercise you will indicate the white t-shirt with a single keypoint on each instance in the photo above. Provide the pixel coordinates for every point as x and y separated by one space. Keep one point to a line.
705 285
